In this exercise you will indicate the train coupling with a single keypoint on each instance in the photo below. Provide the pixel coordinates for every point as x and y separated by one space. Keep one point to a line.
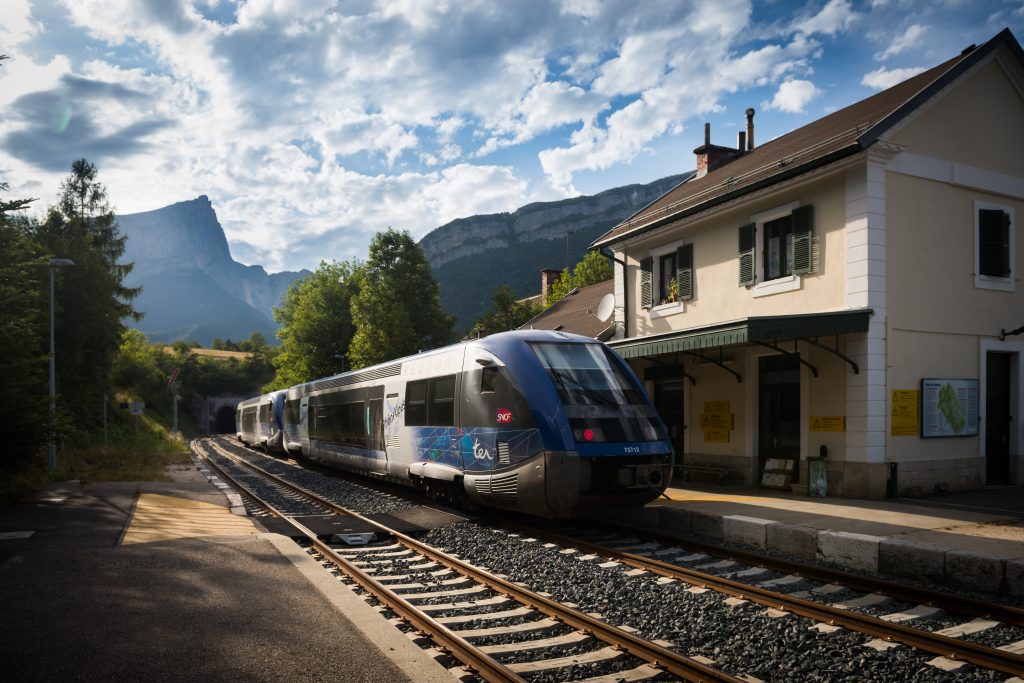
642 476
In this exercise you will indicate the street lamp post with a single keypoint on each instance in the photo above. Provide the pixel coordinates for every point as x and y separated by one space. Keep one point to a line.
55 263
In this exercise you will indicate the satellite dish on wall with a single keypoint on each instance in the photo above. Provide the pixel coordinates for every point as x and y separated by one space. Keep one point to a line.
606 307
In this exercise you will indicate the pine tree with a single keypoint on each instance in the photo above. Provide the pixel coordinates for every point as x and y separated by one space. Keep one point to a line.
92 300
23 331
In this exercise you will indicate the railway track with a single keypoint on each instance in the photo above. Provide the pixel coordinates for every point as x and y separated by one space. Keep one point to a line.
741 575
434 592
939 633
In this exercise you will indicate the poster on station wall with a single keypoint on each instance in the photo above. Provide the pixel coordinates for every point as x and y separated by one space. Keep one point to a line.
949 407
906 412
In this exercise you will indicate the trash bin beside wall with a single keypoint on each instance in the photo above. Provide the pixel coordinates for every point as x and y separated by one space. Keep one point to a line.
817 478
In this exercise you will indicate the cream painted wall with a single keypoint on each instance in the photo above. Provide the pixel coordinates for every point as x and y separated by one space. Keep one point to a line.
914 355
930 260
978 122
717 295
715 384
826 398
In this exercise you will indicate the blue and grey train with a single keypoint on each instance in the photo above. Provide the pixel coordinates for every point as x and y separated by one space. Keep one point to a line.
260 421
546 423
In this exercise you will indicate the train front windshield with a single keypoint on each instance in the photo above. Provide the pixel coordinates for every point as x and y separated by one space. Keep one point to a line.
601 402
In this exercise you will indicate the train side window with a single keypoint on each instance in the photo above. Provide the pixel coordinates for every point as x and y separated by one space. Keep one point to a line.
442 401
416 403
488 380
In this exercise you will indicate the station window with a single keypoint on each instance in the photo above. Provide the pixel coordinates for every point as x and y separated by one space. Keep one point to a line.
775 249
994 228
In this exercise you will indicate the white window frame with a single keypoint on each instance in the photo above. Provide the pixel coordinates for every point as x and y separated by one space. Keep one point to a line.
1003 284
673 307
788 283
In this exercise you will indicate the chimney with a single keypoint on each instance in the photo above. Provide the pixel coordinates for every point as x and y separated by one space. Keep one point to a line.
741 141
750 129
548 277
709 156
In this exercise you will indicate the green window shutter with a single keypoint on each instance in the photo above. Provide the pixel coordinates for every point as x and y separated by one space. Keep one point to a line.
684 272
748 247
993 243
647 282
803 233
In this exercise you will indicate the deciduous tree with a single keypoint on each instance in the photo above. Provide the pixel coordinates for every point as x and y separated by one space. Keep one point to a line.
397 311
315 316
506 313
592 269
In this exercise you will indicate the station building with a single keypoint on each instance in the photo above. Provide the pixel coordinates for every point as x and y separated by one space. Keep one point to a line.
850 290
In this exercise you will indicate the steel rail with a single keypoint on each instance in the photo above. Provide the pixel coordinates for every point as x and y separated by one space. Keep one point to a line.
951 648
485 666
652 653
954 603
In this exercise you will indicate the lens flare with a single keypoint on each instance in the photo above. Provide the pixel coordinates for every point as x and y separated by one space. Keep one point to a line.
62 117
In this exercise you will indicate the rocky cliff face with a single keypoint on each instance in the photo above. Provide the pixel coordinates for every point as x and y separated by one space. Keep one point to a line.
472 257
192 288
541 221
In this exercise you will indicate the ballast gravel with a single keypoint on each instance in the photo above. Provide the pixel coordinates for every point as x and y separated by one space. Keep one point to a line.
742 639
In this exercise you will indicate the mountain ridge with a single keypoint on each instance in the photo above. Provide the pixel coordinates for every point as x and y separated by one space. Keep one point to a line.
523 242
192 288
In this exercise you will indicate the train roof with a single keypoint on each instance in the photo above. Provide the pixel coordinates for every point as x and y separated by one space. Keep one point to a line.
495 342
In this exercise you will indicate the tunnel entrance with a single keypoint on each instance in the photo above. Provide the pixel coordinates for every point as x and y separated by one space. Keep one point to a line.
224 421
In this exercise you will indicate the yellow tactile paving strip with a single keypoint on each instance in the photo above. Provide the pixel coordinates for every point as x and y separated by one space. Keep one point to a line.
166 518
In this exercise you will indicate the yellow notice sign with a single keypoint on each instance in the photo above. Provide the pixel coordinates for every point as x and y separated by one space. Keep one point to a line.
716 407
906 412
716 436
716 421
828 423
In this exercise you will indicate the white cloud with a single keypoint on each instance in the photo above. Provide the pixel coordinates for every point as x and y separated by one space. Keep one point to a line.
901 43
836 16
16 25
792 96
333 123
883 78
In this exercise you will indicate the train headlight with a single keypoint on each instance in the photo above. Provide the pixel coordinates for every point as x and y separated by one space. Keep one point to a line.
588 434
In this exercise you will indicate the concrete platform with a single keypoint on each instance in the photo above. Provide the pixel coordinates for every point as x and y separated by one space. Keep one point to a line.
126 581
970 541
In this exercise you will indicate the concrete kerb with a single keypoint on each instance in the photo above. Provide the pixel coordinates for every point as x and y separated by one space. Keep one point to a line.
849 550
751 531
897 557
798 541
1015 577
974 571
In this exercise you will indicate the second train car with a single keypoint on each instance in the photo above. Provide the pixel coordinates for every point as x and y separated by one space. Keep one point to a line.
545 423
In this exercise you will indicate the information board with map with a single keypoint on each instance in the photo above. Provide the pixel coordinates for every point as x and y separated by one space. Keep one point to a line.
949 407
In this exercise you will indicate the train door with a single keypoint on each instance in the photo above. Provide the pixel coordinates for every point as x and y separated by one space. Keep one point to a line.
375 420
304 431
668 400
997 418
779 420
311 424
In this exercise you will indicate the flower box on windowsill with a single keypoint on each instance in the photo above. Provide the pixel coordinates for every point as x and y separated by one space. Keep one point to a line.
670 308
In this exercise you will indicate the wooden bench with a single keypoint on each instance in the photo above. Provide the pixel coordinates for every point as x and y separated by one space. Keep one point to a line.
705 473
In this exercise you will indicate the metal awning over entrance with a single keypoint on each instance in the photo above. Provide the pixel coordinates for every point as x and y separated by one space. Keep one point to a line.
767 330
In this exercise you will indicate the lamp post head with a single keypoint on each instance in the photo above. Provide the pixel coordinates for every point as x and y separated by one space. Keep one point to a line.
61 262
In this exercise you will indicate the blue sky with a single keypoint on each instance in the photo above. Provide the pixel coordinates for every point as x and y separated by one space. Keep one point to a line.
312 125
